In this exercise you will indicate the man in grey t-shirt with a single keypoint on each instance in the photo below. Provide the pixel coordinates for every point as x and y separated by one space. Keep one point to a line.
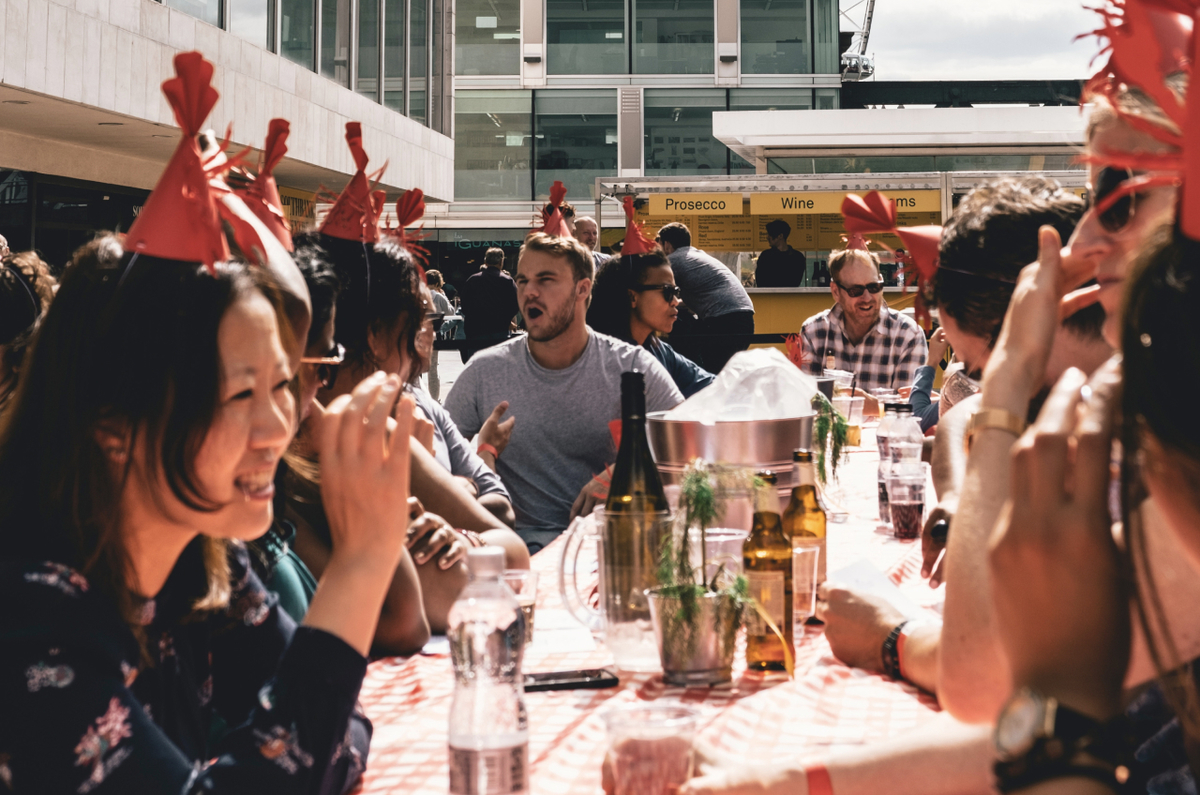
717 297
563 385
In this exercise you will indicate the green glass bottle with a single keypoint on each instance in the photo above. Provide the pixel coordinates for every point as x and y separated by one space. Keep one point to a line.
767 564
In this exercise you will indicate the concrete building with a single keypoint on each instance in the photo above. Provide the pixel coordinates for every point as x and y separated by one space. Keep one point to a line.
576 90
85 130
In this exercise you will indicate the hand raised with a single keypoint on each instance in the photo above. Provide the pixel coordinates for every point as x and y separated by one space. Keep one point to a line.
364 474
495 432
1061 604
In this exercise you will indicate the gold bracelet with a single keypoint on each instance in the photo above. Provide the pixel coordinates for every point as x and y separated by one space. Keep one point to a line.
994 419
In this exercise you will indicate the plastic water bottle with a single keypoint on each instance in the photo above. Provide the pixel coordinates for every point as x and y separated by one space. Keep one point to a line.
882 437
489 732
905 438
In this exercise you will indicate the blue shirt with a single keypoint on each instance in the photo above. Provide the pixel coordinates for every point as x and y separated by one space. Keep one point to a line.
921 398
687 375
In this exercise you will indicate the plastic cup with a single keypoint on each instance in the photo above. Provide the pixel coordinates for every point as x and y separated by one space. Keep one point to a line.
906 499
723 546
855 415
524 583
650 748
804 583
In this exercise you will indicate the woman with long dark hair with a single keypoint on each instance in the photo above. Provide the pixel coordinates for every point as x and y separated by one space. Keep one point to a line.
635 298
26 289
136 458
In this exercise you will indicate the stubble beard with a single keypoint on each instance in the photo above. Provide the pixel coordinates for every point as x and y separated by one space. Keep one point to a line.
560 322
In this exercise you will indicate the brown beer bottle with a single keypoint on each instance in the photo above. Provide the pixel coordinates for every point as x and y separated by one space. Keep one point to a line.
804 518
767 564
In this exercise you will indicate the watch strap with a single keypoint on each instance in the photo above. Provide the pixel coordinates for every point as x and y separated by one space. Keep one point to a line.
1010 780
994 419
891 653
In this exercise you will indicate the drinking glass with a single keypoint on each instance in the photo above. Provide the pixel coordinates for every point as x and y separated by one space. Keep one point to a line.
855 416
723 545
650 747
906 498
804 584
524 583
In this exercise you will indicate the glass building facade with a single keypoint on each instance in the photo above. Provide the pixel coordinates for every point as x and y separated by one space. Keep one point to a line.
575 139
487 37
493 145
586 38
382 49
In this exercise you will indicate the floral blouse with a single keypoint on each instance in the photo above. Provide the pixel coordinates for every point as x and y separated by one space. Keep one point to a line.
239 701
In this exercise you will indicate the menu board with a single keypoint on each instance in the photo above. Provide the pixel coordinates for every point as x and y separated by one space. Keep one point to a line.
747 232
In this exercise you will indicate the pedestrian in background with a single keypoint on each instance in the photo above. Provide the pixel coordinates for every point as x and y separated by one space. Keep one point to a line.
442 306
489 304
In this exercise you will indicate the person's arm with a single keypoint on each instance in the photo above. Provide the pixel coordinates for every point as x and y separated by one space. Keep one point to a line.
949 468
974 678
913 354
688 376
857 624
944 757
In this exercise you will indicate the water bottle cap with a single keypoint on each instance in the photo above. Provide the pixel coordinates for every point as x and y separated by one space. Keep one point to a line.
904 408
485 562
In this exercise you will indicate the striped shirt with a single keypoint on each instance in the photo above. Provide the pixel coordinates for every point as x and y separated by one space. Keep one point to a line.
886 358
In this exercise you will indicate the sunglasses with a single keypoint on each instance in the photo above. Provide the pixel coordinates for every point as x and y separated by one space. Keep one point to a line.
327 366
669 291
854 291
1118 215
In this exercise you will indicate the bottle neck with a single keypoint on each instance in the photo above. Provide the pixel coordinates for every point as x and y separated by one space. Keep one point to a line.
766 500
806 474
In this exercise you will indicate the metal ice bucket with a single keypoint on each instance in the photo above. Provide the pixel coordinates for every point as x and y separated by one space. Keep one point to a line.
765 444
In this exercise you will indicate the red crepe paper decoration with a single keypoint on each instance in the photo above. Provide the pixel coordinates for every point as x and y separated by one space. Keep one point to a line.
410 208
636 241
795 351
180 220
553 223
855 242
374 214
262 194
876 214
348 217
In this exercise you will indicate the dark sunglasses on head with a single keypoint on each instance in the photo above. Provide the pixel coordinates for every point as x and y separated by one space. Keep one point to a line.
1117 216
669 291
327 366
855 290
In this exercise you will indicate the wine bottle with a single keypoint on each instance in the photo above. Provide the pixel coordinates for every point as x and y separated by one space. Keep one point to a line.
804 519
636 522
767 564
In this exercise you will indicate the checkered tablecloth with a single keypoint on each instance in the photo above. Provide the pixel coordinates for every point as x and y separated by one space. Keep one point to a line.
759 716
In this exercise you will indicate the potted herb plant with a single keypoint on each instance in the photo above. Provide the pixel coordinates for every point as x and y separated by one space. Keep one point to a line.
696 617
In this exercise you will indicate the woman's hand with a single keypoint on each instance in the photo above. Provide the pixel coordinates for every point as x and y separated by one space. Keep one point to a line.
495 432
1061 605
430 537
937 348
933 539
422 429
364 476
719 773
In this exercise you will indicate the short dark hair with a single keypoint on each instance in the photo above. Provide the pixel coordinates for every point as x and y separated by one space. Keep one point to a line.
610 311
494 256
779 227
838 260
583 266
991 236
434 278
675 233
322 280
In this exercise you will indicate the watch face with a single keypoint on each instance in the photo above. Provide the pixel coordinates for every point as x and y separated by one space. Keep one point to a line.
1019 724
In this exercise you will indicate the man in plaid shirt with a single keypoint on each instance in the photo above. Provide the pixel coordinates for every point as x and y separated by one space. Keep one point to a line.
883 346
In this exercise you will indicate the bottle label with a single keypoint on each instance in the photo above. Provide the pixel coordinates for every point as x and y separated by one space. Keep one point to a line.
767 587
489 771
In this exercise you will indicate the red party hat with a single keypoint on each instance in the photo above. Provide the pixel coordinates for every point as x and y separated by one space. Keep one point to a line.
553 223
262 195
636 241
410 208
347 218
180 220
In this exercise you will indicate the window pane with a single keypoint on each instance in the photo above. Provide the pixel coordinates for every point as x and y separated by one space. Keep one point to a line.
488 37
207 10
418 60
335 41
586 37
253 20
827 60
775 37
673 37
576 139
393 54
297 44
493 138
764 99
826 98
368 48
679 132
441 82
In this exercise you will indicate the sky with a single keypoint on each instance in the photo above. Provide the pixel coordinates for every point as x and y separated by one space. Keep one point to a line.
979 39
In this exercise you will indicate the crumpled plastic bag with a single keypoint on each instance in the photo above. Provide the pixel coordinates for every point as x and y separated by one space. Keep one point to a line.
761 384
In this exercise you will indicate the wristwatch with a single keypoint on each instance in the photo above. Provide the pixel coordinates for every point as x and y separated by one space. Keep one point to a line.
998 419
1038 739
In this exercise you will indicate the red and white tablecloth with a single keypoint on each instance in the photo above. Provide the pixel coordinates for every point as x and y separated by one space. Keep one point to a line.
759 716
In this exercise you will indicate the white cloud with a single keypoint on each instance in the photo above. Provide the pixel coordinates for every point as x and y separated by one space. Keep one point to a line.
980 39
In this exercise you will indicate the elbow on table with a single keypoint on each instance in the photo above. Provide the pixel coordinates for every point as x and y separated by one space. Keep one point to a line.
400 632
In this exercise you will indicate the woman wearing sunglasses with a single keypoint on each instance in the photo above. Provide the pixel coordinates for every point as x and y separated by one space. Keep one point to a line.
635 299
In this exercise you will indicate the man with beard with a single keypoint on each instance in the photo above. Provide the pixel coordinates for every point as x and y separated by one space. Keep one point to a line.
562 382
860 333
